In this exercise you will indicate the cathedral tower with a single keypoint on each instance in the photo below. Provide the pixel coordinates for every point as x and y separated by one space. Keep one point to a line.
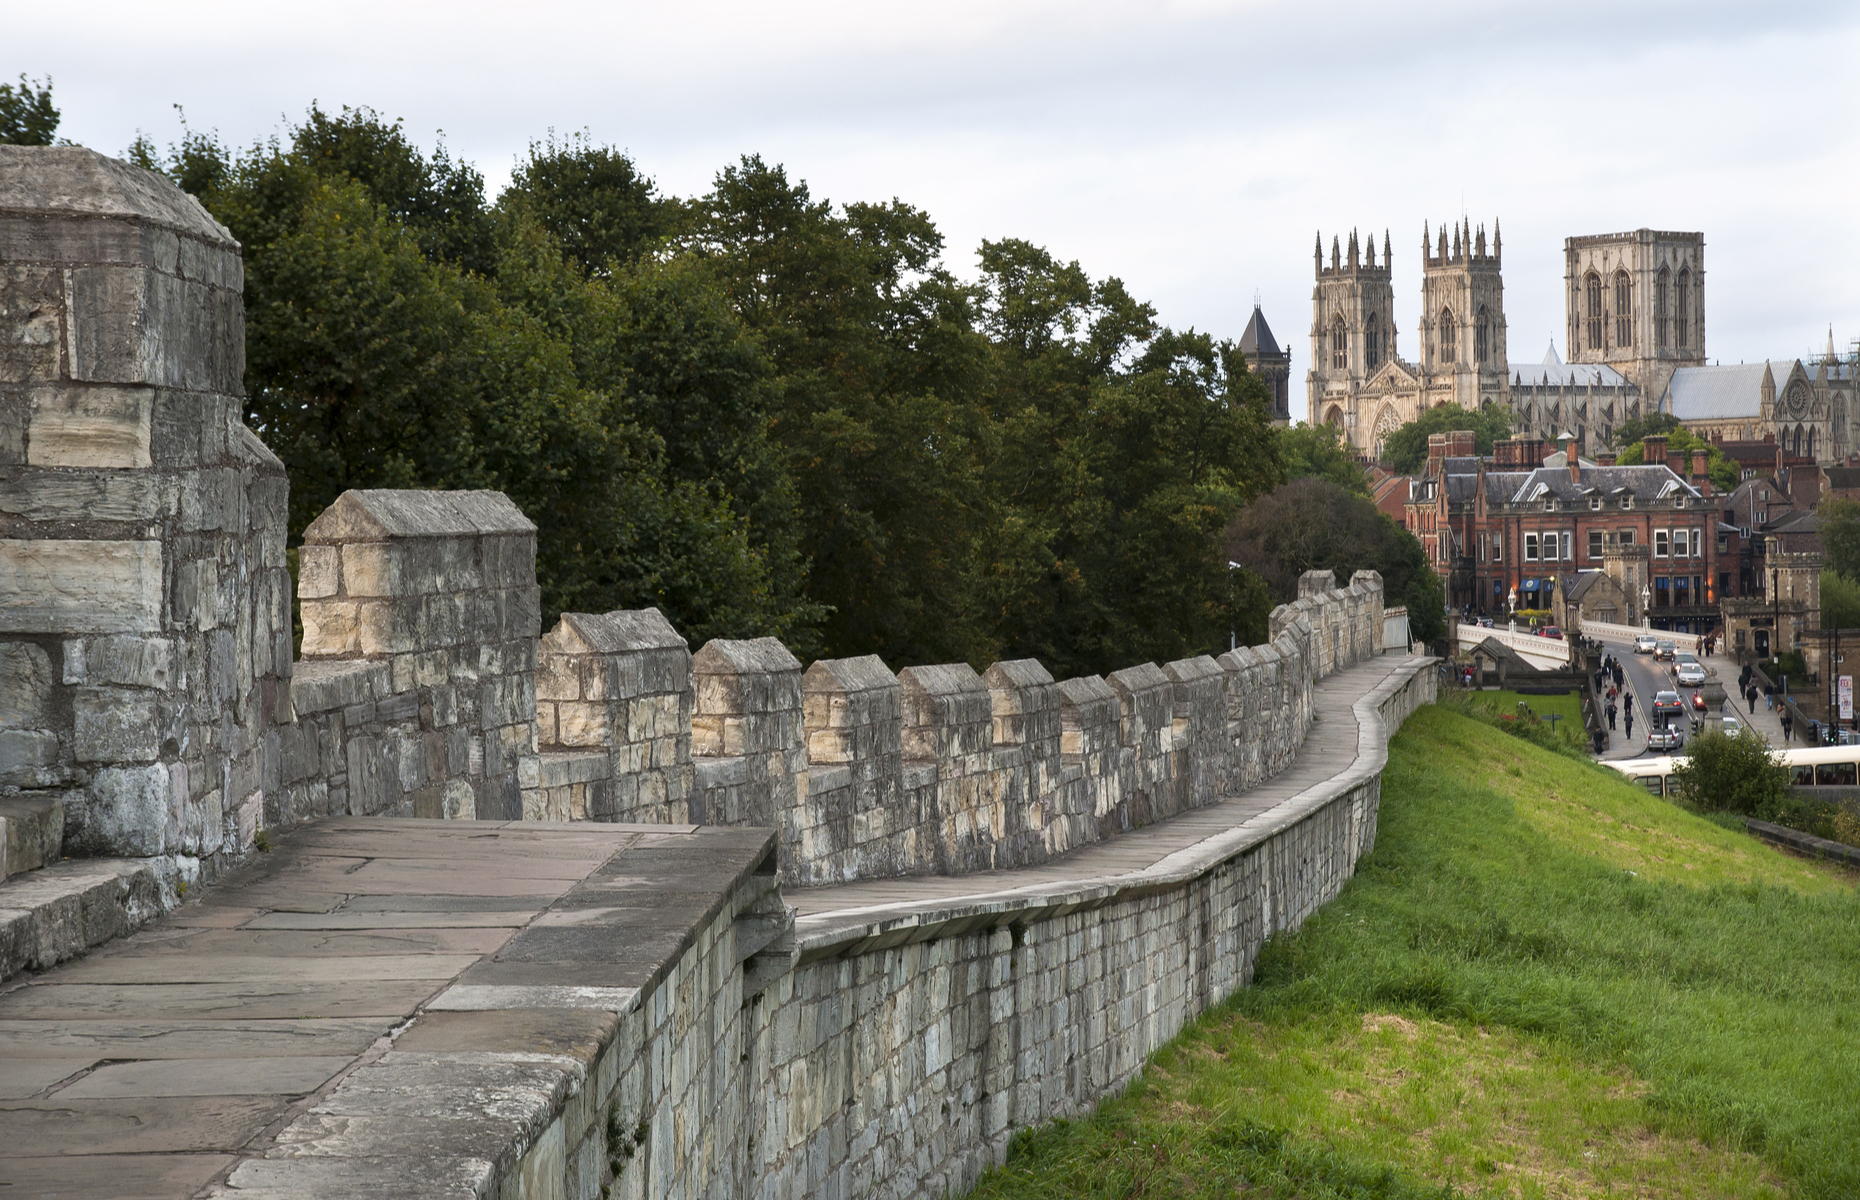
1272 364
1352 332
1636 301
1462 326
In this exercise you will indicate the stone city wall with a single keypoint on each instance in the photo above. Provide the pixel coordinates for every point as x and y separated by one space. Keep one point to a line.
897 1056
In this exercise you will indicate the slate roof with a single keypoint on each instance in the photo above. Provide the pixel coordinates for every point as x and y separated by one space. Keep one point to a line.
1258 337
1583 582
1645 483
1554 372
1843 477
1706 393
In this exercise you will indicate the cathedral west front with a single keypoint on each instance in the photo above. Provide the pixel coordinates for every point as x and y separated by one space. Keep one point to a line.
1635 304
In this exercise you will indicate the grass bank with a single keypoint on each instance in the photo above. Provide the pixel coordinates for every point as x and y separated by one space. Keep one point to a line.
1543 983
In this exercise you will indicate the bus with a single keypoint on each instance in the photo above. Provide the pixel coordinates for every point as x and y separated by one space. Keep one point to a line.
1828 771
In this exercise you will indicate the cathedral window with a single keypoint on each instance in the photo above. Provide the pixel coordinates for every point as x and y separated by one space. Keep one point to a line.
1372 343
1339 345
1482 336
1448 343
1682 323
1662 284
1624 310
1594 297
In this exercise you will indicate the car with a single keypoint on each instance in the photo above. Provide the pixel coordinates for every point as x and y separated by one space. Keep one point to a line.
1690 674
1732 726
1645 643
1552 631
1667 708
1665 739
1663 650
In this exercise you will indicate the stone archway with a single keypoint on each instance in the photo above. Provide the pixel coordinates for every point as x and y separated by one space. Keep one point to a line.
1387 422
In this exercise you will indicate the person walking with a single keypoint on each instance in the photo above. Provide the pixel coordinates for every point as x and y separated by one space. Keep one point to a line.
1750 694
1787 723
1611 716
1628 716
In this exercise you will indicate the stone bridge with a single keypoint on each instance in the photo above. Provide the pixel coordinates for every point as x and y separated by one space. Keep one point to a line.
452 906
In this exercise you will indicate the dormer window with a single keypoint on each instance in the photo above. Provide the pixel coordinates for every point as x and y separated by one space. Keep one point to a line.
1595 503
1550 504
1680 502
1627 500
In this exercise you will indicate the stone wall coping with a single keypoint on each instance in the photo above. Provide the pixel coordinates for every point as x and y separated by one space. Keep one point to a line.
866 673
821 935
616 632
75 181
724 656
378 514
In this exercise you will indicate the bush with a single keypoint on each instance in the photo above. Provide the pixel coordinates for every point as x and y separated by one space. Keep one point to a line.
1733 773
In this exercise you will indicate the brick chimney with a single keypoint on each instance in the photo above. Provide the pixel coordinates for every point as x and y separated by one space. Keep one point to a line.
1504 453
1605 458
1572 460
1436 450
1653 450
1460 443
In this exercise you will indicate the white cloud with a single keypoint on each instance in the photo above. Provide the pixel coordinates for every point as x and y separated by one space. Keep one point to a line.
1191 147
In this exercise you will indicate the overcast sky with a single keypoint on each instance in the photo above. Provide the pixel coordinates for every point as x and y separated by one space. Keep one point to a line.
1191 148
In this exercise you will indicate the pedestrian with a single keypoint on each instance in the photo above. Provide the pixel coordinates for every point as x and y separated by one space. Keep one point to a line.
1611 716
1750 694
1787 725
1628 717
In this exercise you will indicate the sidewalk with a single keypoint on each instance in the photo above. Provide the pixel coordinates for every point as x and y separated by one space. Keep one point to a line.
1767 721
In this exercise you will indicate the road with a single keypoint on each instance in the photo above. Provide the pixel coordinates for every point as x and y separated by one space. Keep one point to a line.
1644 677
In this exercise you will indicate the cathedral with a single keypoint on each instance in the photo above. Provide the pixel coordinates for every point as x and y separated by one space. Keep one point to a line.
1636 314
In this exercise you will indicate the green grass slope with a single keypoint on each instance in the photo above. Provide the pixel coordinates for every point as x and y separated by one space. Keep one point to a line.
1544 982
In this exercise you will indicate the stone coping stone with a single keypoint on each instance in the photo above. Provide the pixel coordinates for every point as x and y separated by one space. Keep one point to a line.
376 1007
378 514
73 181
822 930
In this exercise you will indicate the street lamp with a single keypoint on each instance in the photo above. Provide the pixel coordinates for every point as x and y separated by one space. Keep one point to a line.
1511 608
1646 607
1232 640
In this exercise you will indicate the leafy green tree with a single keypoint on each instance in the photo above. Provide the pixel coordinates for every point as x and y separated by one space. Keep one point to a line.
27 115
1318 452
1840 535
1722 471
1840 601
1727 773
1315 525
592 199
1405 451
1634 429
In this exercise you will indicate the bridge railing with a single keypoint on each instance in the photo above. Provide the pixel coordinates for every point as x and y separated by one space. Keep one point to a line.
1528 644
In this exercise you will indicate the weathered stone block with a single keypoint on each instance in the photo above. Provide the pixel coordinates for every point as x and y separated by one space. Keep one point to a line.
124 811
115 726
89 427
332 628
25 685
319 572
129 661
69 586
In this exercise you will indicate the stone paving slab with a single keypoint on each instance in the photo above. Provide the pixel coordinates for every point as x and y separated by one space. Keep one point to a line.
125 1176
399 1000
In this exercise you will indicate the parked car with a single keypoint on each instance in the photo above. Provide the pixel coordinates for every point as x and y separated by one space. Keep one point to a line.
1690 671
1665 739
1645 643
1663 650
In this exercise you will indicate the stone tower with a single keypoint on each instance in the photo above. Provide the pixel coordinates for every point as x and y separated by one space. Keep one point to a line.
1636 301
1462 327
145 607
1273 365
1352 330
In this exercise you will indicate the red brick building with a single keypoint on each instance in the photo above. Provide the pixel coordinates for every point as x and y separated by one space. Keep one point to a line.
1529 520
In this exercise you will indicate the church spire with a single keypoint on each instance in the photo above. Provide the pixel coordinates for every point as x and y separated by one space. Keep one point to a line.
1498 243
1336 253
1386 260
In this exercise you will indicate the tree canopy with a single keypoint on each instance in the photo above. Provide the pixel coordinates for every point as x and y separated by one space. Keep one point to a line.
1318 452
760 411
27 116
1722 471
1405 451
1315 525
